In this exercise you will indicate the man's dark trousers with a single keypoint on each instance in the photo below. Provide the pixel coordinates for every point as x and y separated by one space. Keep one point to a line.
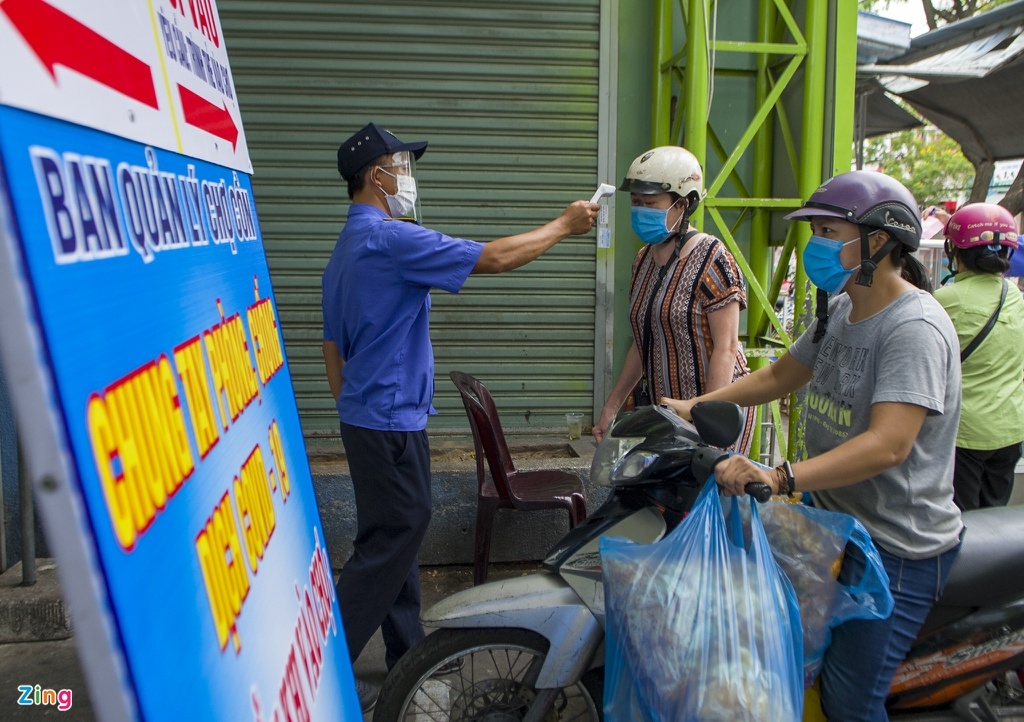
379 585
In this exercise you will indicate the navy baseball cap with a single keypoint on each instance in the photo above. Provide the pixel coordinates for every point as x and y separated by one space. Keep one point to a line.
369 144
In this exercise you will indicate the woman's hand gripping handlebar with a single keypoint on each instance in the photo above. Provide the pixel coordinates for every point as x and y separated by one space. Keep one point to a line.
705 461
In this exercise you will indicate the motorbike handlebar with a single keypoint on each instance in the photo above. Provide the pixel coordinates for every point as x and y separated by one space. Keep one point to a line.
760 492
703 464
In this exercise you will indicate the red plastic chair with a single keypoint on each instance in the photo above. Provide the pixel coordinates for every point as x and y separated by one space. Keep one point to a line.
507 487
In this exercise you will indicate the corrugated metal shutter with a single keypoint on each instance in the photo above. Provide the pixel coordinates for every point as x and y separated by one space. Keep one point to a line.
507 95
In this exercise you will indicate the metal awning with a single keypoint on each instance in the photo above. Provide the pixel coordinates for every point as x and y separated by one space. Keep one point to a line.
967 78
877 113
879 39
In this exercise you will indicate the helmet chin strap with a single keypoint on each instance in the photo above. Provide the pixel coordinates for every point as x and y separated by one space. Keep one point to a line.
869 263
690 202
684 220
951 260
820 313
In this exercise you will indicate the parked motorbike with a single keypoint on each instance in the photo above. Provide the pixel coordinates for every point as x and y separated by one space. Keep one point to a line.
532 648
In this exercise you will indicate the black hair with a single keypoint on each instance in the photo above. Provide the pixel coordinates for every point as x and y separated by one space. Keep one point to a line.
911 269
358 181
981 259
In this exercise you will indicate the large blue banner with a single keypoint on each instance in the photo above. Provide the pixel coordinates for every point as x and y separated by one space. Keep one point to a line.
158 322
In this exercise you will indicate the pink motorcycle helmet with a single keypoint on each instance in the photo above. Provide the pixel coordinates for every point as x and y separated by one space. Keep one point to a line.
981 224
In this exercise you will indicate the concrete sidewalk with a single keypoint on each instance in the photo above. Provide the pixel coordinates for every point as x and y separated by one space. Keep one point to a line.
50 659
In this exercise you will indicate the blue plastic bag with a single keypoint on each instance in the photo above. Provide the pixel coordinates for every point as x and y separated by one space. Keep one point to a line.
809 543
702 625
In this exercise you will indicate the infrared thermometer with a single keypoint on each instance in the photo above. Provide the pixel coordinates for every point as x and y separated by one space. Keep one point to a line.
604 233
604 190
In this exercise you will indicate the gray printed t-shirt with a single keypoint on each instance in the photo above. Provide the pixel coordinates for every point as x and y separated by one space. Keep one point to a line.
907 353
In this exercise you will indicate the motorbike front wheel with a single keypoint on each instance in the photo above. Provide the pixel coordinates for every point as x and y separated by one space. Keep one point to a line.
480 675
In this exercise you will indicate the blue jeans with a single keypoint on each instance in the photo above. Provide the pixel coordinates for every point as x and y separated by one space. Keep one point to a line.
864 654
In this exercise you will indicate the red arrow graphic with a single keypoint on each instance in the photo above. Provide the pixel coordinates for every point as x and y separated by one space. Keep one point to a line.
203 114
59 39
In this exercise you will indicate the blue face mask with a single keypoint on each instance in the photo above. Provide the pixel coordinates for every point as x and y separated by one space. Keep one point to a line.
822 264
651 224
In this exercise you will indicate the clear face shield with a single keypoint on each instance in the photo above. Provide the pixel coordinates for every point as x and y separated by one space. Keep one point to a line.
405 203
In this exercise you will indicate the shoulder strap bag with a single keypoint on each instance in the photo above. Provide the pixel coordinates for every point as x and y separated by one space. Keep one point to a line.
985 330
642 393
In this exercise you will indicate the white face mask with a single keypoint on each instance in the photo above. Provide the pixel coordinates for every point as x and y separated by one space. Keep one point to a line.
403 203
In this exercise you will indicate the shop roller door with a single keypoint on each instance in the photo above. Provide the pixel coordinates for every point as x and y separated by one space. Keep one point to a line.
507 95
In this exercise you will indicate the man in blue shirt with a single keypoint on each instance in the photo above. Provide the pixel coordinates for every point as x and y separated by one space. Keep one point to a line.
380 366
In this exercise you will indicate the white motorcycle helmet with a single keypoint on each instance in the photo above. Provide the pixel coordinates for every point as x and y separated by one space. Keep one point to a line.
667 169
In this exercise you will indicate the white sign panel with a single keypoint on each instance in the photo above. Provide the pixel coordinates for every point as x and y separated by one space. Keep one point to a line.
155 72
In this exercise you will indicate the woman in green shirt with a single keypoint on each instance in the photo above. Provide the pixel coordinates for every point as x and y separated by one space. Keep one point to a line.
980 238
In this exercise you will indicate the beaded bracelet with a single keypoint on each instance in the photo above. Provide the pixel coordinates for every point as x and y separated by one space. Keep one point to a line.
784 479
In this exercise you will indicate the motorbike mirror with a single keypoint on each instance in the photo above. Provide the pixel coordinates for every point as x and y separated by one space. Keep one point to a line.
719 423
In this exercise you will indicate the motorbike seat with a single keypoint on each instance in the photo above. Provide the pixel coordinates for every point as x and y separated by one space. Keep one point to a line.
986 572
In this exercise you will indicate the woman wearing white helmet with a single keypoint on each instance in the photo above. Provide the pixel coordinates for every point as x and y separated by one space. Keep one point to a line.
685 295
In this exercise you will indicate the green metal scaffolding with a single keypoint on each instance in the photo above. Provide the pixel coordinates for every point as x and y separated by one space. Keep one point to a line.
805 70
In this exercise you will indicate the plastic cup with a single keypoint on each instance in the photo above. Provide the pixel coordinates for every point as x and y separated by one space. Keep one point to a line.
574 422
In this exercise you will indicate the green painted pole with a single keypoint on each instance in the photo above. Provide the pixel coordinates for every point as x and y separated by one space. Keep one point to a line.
845 83
661 119
760 249
809 176
761 187
698 78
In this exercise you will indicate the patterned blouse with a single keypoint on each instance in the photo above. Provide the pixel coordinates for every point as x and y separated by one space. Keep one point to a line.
706 280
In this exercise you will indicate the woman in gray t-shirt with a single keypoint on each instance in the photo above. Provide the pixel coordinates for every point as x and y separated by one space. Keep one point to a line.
882 369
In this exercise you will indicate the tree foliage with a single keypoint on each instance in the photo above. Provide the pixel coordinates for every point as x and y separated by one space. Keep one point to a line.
909 155
941 12
927 161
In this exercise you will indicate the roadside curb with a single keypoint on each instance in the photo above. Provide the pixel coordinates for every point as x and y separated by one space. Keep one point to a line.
33 614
